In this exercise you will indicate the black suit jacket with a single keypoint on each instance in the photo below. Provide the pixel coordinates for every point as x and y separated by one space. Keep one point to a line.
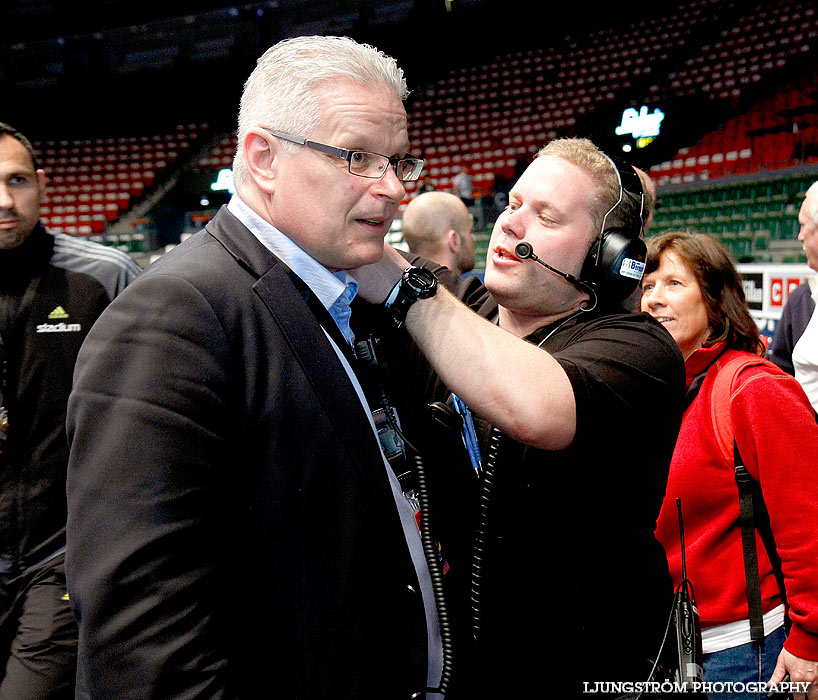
231 529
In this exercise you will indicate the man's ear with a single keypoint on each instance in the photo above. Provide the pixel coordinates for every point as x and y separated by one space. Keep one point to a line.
453 241
261 156
41 180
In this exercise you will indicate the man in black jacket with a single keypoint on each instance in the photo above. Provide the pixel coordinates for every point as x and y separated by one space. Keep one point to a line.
259 544
52 289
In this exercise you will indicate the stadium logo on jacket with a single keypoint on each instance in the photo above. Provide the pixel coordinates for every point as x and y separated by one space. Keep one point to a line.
62 327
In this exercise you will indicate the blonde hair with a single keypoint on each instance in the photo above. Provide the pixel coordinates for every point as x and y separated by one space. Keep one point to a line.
586 156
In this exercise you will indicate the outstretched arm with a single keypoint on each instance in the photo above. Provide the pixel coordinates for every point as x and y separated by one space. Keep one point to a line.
513 384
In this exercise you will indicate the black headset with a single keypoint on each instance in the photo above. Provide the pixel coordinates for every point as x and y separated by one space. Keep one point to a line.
616 259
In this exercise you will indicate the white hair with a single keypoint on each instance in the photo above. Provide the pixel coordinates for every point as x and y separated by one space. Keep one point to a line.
281 91
812 206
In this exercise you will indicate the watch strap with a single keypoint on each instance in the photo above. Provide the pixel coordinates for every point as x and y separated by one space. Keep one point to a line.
403 295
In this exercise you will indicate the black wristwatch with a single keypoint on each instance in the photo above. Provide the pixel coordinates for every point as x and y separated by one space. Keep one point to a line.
415 283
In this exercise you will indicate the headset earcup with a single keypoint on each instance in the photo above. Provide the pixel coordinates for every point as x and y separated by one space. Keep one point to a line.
615 265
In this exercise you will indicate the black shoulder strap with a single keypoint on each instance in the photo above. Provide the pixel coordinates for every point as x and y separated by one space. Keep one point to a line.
754 516
748 545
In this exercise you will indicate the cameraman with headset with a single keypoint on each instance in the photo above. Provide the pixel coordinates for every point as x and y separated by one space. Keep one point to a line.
567 470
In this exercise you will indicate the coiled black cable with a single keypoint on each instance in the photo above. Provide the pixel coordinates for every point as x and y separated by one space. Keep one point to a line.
482 531
432 554
368 357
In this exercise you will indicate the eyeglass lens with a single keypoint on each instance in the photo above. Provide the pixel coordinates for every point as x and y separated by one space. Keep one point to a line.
375 165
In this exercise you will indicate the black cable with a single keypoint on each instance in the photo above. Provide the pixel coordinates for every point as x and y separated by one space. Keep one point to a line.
482 531
431 551
661 646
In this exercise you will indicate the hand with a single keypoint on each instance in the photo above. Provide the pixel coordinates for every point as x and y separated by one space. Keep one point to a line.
375 281
800 670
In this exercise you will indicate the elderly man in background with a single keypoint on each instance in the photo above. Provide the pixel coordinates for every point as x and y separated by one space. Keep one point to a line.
794 347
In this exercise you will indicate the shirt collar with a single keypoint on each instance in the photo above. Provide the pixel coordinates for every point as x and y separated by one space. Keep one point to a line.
812 281
337 288
701 359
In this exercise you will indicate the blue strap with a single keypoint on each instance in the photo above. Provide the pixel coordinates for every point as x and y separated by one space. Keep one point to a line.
469 435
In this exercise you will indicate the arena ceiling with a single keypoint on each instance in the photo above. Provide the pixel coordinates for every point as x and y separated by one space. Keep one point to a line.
99 63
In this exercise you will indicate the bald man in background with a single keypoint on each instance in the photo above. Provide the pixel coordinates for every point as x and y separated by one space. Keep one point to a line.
438 226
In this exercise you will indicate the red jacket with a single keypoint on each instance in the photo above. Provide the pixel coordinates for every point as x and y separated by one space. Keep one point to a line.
777 436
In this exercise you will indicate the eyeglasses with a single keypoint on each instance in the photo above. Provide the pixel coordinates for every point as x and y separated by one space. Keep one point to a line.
362 163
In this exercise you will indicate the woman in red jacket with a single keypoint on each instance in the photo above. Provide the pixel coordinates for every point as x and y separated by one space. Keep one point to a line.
692 287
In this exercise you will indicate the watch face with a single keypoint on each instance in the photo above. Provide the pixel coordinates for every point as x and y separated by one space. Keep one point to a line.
421 280
424 279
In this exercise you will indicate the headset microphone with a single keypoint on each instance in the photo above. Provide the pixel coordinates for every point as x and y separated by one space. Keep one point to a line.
524 251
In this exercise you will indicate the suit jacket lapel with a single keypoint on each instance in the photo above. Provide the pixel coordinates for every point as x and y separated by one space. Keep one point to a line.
306 339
